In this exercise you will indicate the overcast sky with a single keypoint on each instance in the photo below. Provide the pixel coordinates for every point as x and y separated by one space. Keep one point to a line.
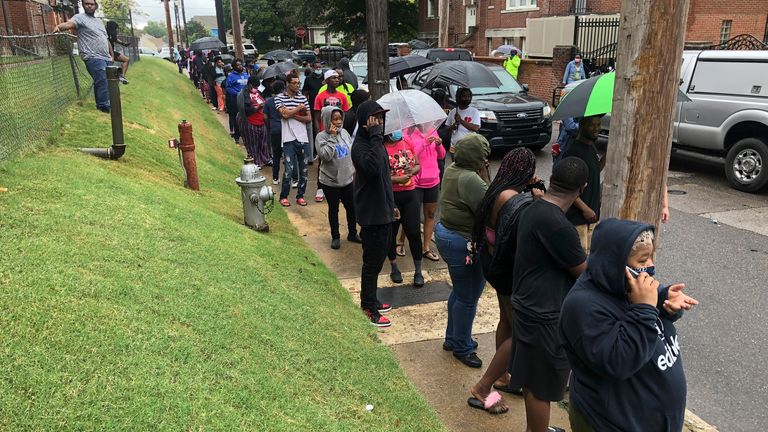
155 11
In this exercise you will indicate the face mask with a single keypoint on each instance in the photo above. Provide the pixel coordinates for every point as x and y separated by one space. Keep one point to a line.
318 71
396 135
651 270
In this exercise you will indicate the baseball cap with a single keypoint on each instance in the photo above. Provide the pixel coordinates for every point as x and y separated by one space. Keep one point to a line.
330 73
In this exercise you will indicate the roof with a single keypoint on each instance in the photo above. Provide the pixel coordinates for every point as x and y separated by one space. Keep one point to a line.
733 55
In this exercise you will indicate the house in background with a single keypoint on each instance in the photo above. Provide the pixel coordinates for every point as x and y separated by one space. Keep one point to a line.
536 26
31 17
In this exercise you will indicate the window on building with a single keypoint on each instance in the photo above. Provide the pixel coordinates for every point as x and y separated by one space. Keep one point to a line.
516 4
431 8
725 31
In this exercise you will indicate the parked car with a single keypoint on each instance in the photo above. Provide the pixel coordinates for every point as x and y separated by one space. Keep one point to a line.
444 54
510 117
306 55
249 51
146 51
164 53
726 121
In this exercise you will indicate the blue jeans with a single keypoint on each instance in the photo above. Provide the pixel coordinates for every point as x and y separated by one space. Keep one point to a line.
468 283
97 68
296 154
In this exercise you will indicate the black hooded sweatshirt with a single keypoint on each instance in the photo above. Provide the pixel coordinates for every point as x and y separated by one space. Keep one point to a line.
349 76
626 360
374 201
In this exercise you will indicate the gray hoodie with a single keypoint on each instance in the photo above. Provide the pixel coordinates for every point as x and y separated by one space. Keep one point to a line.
336 169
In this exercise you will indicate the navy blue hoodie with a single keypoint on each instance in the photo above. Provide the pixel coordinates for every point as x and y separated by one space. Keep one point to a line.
626 360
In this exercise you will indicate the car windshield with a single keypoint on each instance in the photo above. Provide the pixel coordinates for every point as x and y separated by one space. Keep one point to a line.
508 85
361 70
359 57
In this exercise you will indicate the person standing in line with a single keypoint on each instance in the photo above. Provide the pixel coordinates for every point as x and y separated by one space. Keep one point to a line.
328 97
207 81
462 191
463 119
236 81
350 117
334 146
294 110
93 45
585 212
250 106
178 59
273 122
348 76
548 260
429 151
617 329
403 166
574 71
218 82
374 205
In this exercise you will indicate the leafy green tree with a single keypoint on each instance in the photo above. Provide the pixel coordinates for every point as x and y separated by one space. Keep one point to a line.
196 30
155 29
117 10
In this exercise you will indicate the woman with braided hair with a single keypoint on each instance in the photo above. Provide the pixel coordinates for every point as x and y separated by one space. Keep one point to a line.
495 240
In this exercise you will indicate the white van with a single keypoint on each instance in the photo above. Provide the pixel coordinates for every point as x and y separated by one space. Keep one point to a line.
249 50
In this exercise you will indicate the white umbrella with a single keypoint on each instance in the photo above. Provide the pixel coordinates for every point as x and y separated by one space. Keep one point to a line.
410 108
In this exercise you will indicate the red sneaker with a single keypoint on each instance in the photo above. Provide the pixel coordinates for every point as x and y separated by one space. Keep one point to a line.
384 308
301 201
285 203
377 319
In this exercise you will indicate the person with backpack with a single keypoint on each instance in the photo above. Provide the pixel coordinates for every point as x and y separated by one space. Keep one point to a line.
495 237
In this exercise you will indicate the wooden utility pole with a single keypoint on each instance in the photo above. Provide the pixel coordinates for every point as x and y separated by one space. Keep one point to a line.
377 31
443 16
168 26
178 25
184 20
236 36
651 38
220 21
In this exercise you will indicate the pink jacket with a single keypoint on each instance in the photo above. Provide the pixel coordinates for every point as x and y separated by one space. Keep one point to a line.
428 154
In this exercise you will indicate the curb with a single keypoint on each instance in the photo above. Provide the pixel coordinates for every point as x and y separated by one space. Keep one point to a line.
694 423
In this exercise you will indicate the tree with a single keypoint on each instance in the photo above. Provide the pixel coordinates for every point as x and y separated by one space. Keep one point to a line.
155 29
117 10
195 31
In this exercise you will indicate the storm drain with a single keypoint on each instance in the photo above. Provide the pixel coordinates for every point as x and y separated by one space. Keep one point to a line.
407 295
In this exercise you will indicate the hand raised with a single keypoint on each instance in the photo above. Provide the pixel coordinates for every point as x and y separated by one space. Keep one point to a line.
676 300
643 290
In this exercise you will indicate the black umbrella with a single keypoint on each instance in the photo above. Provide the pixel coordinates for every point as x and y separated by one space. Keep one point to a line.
463 74
278 69
418 44
206 43
281 55
407 64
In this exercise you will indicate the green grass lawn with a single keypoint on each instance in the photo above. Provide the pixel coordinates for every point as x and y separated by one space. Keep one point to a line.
131 303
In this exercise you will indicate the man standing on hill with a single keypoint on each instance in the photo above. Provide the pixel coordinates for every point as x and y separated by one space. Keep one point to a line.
94 48
294 110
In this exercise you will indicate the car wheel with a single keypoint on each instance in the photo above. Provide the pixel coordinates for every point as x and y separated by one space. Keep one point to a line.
746 166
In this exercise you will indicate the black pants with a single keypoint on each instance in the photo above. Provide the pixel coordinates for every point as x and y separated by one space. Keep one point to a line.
332 196
410 217
376 240
212 96
232 111
277 153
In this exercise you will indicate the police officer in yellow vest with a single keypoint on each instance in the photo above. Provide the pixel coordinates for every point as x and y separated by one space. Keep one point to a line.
512 63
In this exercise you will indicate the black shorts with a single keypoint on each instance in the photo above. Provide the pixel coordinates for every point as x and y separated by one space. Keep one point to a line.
116 55
428 196
538 362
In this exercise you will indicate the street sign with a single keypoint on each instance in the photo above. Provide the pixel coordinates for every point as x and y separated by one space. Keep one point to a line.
301 32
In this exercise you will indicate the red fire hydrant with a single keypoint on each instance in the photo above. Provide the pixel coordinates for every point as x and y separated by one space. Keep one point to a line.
186 146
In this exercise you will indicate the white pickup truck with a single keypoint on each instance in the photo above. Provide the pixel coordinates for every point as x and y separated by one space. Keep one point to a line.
727 117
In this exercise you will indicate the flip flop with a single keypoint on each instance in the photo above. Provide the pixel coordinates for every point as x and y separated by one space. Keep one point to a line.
431 256
400 249
492 404
508 389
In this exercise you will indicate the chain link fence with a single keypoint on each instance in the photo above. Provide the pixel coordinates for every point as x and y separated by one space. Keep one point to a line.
39 77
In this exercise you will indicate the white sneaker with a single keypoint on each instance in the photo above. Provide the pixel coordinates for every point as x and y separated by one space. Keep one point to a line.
275 181
319 195
294 184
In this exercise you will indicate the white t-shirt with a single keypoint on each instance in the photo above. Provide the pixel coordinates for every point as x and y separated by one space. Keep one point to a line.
292 129
470 115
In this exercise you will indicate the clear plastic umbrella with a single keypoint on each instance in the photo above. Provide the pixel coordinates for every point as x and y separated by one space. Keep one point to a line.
411 108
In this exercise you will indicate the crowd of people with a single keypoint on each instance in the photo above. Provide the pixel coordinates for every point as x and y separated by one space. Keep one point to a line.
572 309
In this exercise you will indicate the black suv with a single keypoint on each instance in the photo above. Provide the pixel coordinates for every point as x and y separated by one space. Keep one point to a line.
509 116
444 54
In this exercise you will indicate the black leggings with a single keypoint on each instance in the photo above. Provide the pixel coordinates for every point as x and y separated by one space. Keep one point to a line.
410 217
334 195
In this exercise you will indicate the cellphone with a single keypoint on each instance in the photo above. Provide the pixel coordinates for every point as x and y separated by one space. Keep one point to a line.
633 272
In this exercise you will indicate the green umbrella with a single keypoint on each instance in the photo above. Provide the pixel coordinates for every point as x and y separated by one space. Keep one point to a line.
593 97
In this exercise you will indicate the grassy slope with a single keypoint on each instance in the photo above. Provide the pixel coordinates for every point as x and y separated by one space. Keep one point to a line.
129 302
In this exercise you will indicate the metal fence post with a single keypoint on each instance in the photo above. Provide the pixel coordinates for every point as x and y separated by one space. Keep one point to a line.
73 66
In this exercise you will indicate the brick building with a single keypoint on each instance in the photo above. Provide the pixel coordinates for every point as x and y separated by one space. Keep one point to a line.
481 25
30 17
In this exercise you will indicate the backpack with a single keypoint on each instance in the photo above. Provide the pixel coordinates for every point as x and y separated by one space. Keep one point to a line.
499 266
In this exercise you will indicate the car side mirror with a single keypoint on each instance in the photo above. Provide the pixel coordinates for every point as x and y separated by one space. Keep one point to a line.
525 88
